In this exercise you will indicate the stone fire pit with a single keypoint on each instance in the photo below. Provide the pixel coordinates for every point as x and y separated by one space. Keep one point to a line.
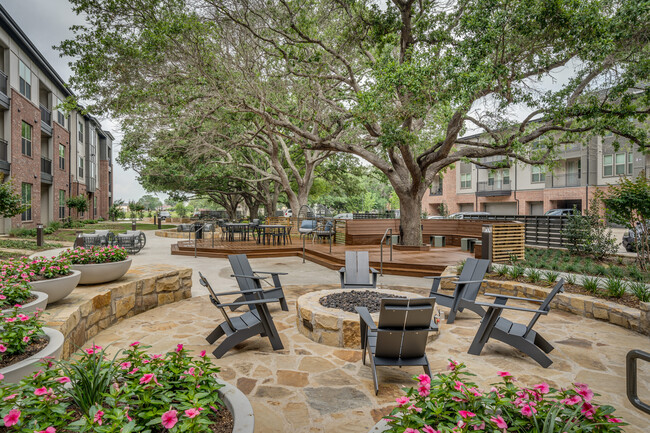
332 326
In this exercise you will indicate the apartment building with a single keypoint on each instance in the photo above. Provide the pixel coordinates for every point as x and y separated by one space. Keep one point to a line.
577 173
42 150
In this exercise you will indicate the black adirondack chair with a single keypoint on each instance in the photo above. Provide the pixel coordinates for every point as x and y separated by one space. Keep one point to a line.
517 335
400 337
357 271
257 321
247 279
467 286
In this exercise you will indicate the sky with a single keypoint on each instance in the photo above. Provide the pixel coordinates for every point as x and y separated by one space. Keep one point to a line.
46 23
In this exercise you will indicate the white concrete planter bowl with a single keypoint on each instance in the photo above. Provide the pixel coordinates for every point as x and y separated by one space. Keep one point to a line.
40 302
102 272
57 288
239 406
17 371
380 427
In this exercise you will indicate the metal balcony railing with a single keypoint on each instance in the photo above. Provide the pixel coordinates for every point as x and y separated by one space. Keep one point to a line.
496 188
46 115
3 82
46 166
563 180
4 150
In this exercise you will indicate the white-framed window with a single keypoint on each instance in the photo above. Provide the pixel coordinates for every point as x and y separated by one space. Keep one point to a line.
538 174
60 115
26 139
26 196
81 132
466 181
25 75
618 164
81 167
61 204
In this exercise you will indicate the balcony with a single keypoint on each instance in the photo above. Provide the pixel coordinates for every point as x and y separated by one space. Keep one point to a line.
4 157
46 121
46 171
566 180
4 91
493 189
435 190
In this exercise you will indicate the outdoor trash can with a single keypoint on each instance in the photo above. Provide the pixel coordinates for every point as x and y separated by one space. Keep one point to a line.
439 241
198 230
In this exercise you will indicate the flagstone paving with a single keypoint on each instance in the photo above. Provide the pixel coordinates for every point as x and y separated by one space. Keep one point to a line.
311 387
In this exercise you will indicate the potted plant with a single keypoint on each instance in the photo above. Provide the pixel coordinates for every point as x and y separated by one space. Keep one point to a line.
19 294
133 389
24 342
98 264
451 402
51 276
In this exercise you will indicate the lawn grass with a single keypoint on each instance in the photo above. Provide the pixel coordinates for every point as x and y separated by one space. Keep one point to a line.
26 244
69 235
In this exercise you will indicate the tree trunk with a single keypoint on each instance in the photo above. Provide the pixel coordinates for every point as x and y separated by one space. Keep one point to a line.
254 209
410 218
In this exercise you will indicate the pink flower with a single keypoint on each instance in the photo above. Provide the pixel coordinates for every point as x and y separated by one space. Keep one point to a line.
191 413
411 430
466 414
11 418
156 356
25 339
146 378
135 343
135 370
480 426
64 379
9 397
415 408
50 429
586 393
543 388
2 376
401 401
424 378
429 429
424 389
615 420
458 386
504 374
179 347
474 391
528 410
588 410
202 354
40 391
98 417
452 365
499 421
570 401
169 419
125 365
3 348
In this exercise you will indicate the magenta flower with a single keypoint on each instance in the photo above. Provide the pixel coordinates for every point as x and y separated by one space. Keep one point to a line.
146 378
98 417
40 391
543 388
499 421
458 386
452 365
3 348
528 410
64 379
2 376
202 354
504 374
424 378
191 413
169 419
570 401
411 430
135 343
125 365
135 370
401 401
615 420
424 389
11 418
179 347
50 429
586 393
429 429
588 410
466 414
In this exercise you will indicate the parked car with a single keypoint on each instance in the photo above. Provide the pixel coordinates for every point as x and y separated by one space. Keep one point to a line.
344 216
464 215
164 215
560 212
435 217
288 213
630 236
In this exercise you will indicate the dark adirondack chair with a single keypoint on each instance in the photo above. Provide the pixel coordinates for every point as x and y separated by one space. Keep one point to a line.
247 279
257 321
400 337
357 271
517 335
467 287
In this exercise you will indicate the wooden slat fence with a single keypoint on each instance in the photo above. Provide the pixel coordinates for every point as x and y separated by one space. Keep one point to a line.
541 230
507 241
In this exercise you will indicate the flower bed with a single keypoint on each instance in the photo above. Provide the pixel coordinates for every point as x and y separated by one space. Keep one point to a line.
22 335
15 293
126 393
451 402
94 255
36 269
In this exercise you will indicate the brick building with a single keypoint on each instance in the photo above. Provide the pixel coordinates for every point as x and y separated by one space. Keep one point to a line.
49 155
577 173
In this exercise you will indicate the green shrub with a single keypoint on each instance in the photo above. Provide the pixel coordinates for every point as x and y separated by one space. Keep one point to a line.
640 290
589 234
635 273
460 266
571 279
502 271
615 287
591 284
555 265
23 233
570 267
600 270
616 272
619 260
551 277
515 272
534 276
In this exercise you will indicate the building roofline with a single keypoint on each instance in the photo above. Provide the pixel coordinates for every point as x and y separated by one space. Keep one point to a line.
16 33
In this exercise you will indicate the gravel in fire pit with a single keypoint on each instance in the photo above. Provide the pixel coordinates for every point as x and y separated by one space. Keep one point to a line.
346 301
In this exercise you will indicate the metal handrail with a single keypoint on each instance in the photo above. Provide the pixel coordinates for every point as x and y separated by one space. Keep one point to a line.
631 376
200 229
381 250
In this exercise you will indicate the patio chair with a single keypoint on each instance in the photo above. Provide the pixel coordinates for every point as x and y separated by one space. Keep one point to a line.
307 228
400 337
106 237
142 239
324 231
357 271
129 242
248 280
467 287
257 321
91 240
517 335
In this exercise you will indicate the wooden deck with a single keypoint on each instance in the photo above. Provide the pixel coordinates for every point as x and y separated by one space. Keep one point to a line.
407 263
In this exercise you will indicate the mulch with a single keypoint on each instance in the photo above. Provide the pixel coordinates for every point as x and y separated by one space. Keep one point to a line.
223 421
627 300
36 346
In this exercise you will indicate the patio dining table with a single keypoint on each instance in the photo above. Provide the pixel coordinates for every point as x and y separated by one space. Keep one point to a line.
232 228
269 231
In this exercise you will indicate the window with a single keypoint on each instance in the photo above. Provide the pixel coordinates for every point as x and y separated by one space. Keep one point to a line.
81 167
465 180
26 195
618 164
61 157
506 176
26 141
61 203
81 132
539 175
25 80
95 207
60 116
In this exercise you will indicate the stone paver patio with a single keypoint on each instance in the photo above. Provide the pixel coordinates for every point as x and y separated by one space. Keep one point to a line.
311 387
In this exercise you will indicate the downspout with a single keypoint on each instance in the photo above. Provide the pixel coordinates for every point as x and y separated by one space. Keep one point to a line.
69 163
587 182
516 199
